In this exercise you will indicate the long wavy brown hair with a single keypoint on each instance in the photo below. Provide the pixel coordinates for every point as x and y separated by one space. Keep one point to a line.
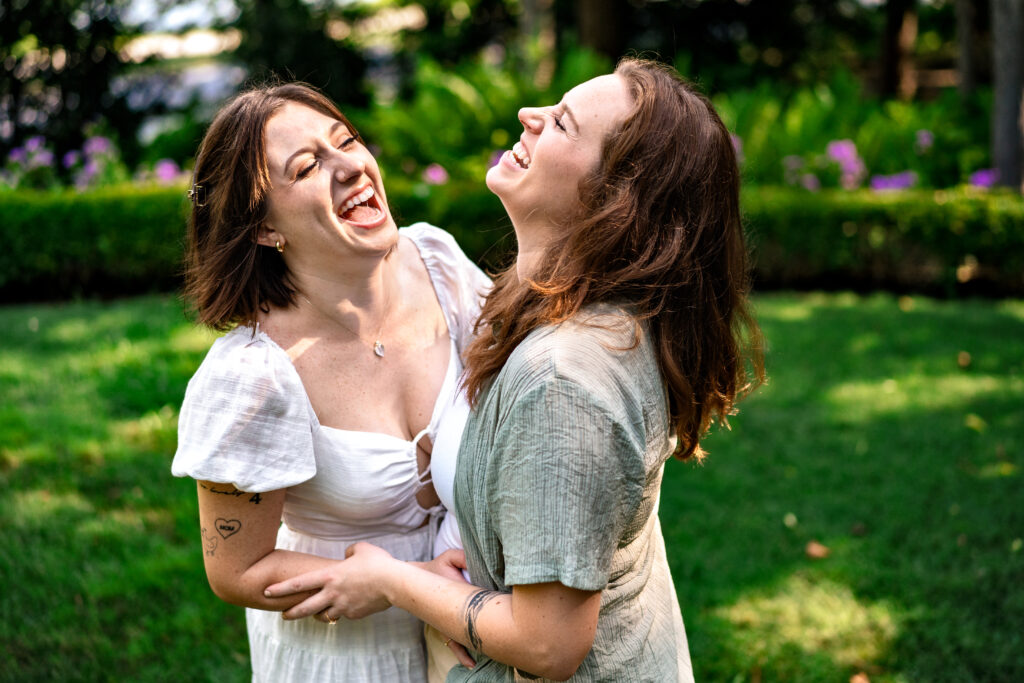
229 278
658 227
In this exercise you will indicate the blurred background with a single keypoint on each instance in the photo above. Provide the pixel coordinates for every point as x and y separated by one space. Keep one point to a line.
863 519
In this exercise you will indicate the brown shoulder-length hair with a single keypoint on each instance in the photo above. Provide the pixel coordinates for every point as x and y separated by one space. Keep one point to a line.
229 278
658 227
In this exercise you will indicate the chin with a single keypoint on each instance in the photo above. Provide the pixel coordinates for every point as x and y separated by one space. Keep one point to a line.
492 180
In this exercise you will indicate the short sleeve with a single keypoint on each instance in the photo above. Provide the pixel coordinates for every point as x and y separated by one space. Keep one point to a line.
570 478
245 419
460 284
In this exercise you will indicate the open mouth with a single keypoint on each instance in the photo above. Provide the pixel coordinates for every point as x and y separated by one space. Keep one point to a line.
362 209
520 155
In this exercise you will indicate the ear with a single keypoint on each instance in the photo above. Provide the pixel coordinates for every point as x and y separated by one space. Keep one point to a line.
268 237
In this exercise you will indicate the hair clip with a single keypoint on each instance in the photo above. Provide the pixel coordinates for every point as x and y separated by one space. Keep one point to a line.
197 195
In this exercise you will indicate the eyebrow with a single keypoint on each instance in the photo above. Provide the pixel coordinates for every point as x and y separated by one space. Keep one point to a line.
303 150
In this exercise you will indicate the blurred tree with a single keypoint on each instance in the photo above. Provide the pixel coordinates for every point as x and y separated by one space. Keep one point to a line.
730 43
289 38
600 24
966 63
898 73
1008 74
59 58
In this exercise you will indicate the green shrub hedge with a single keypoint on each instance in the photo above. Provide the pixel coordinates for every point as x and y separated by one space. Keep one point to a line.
125 240
946 242
122 239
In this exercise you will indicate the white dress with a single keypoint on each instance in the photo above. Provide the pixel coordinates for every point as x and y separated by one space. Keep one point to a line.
246 420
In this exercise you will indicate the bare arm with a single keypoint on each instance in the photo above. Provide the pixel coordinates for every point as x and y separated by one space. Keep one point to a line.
239 531
543 629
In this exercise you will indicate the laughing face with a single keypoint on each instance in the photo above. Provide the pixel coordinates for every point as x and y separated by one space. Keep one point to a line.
326 192
538 179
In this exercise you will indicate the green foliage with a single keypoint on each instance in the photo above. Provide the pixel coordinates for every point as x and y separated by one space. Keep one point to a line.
130 238
458 117
876 437
62 243
59 59
775 125
289 38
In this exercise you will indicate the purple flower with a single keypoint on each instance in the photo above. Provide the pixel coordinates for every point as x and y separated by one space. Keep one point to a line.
898 181
35 143
841 151
925 140
166 171
71 158
97 145
18 155
986 177
43 157
434 174
737 146
810 182
851 167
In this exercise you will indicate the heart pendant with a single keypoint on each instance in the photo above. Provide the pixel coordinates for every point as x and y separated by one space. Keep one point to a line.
378 348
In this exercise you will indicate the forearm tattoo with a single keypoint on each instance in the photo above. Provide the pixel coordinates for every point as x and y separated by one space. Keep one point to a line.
474 604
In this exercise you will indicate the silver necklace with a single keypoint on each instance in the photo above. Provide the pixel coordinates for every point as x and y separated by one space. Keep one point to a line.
378 345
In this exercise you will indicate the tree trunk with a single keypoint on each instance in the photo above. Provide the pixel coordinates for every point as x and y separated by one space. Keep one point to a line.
600 23
1008 75
965 65
537 34
898 74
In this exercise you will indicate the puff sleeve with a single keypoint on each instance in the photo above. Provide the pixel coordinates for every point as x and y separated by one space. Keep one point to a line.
245 419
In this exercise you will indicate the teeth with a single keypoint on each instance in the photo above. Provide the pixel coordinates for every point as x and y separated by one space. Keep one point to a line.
358 199
521 155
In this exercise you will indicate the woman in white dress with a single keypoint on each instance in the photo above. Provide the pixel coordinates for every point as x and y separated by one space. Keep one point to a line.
336 381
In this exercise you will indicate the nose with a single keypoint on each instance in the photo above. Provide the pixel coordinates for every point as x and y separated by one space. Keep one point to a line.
346 166
532 119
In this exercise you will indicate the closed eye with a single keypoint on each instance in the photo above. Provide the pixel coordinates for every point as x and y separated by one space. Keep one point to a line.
309 168
558 123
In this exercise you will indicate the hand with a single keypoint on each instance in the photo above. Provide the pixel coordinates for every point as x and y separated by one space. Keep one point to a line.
448 564
462 654
352 588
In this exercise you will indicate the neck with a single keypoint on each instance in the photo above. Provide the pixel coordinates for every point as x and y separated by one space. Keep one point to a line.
533 243
358 298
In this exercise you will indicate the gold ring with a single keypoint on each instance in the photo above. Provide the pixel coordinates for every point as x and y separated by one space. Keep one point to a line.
330 621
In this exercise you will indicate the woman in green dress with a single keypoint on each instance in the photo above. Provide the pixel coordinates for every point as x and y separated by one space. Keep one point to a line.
620 333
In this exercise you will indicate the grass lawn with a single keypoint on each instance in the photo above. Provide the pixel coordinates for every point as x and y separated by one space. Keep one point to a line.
891 434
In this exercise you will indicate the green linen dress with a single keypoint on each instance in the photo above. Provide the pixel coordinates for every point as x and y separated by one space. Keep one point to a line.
558 479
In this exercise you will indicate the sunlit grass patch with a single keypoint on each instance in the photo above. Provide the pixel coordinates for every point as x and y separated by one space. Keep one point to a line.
860 400
813 616
38 507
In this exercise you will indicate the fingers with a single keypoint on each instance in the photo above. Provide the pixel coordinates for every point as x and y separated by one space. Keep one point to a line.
462 654
297 584
456 558
307 608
